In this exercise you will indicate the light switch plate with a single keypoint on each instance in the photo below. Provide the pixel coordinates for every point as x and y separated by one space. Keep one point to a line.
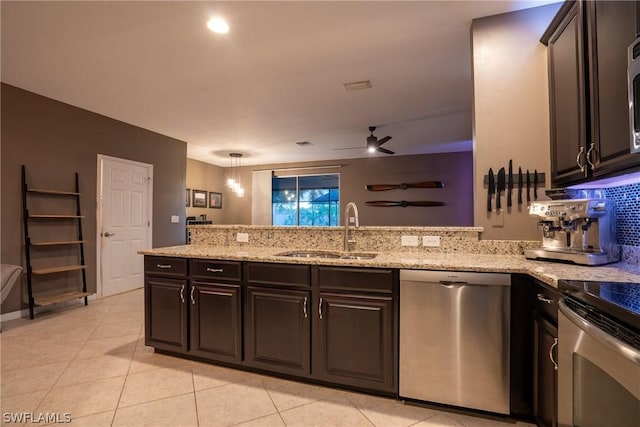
431 241
242 237
175 219
409 240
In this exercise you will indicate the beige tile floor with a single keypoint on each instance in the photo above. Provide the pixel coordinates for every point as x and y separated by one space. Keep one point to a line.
91 362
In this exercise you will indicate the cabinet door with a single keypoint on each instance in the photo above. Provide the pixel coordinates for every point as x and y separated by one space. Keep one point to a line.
277 330
216 321
567 101
166 313
545 393
353 343
612 28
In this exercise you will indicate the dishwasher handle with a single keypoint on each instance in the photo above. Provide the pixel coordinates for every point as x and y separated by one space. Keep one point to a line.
453 283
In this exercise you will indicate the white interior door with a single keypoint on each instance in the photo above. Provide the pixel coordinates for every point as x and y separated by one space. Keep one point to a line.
124 223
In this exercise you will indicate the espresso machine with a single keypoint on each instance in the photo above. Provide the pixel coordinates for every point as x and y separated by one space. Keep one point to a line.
576 230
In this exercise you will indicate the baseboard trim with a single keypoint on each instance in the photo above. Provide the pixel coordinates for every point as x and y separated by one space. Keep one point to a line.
18 314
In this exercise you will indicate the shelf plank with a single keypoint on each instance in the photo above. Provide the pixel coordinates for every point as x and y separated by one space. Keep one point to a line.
60 269
56 216
61 242
60 298
52 192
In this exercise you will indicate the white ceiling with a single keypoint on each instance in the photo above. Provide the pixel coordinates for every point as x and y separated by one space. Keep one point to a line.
275 79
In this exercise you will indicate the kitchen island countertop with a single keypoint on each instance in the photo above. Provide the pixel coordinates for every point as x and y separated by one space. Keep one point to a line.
546 271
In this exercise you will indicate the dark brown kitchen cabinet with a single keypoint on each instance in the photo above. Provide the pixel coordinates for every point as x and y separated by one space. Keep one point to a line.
166 313
216 324
354 337
545 398
545 367
567 106
589 117
277 322
215 299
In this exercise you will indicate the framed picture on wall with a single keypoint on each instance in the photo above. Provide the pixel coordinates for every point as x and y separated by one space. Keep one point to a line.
188 198
215 200
199 199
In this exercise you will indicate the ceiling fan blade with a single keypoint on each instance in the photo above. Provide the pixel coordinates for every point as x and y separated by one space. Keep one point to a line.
383 140
384 150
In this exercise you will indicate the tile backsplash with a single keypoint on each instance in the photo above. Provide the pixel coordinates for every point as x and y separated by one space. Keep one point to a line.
627 199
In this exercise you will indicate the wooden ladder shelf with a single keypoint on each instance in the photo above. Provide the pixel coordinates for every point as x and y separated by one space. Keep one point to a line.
52 220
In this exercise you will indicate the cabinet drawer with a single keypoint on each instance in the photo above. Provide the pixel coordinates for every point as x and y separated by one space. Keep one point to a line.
214 269
546 302
356 279
165 266
278 274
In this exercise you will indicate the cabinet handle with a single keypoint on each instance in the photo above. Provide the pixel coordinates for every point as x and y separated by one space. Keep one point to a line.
193 302
182 294
215 270
320 308
542 298
581 166
304 307
555 344
592 150
163 266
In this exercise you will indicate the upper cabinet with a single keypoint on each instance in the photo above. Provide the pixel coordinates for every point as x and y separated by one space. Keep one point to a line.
587 44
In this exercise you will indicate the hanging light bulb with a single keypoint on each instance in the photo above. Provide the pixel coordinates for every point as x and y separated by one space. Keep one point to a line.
233 182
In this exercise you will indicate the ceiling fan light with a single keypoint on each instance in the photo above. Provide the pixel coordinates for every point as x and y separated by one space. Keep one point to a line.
371 149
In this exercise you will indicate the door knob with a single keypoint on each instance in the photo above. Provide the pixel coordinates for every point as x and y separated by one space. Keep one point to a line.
107 234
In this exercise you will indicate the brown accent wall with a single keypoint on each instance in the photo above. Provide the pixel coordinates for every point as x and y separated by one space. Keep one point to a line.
55 140
455 170
207 177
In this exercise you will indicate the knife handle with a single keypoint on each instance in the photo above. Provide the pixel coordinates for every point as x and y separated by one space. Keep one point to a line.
520 195
489 202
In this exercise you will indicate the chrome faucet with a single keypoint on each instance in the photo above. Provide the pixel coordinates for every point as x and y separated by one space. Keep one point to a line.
347 236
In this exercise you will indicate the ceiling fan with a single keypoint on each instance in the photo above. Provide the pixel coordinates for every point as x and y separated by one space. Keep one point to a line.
373 143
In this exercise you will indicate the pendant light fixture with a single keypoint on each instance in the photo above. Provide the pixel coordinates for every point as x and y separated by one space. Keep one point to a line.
233 180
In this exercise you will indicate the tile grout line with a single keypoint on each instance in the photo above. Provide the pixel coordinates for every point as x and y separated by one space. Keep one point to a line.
359 410
195 397
273 402
124 383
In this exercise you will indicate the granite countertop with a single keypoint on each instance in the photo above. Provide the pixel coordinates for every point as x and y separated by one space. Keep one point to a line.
546 271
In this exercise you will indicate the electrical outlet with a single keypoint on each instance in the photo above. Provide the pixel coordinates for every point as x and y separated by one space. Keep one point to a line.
409 240
175 219
431 241
242 237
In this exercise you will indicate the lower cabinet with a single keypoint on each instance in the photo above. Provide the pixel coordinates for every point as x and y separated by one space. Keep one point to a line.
215 317
545 373
545 356
333 324
354 341
166 313
277 330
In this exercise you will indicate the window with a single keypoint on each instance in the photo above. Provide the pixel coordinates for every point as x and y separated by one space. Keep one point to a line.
306 200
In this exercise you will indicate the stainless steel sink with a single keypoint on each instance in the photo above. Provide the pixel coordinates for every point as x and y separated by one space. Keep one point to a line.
326 254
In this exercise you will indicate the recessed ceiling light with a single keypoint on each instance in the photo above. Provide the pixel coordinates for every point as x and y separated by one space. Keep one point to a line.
364 84
218 25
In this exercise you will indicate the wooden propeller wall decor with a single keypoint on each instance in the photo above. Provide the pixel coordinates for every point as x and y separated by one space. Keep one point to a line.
403 203
404 186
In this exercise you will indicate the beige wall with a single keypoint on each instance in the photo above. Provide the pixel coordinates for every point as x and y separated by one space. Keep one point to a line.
453 169
207 177
511 111
54 140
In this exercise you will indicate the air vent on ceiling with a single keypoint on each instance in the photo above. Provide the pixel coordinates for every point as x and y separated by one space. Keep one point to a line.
303 143
364 84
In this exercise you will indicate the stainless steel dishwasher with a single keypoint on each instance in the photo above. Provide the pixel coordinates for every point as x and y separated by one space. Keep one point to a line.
454 338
